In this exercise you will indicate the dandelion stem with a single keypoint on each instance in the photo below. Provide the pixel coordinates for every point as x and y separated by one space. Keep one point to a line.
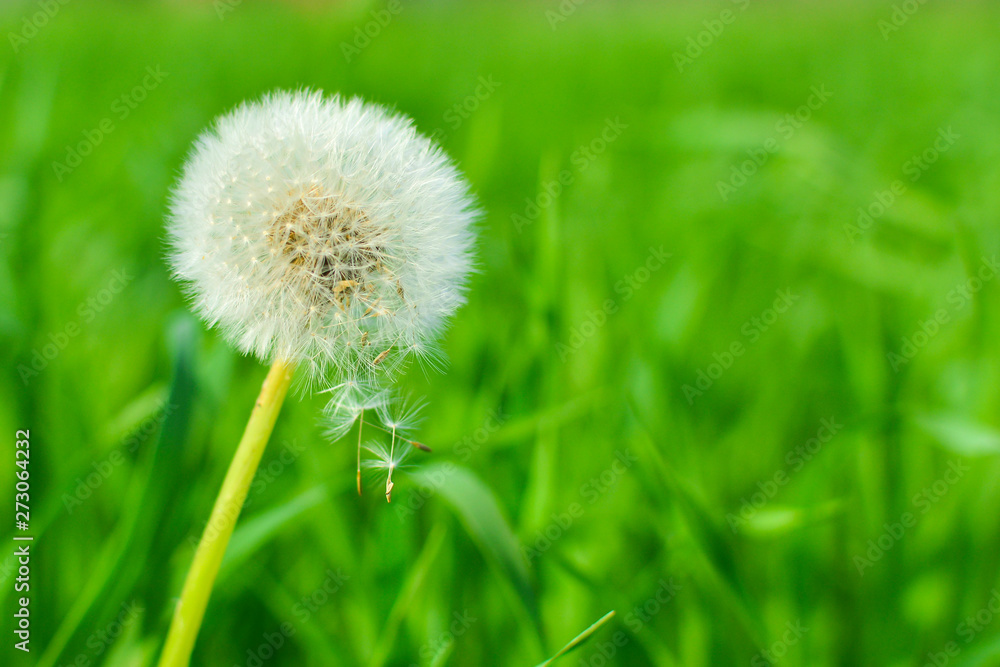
198 586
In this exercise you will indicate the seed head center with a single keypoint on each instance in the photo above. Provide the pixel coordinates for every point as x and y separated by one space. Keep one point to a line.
332 251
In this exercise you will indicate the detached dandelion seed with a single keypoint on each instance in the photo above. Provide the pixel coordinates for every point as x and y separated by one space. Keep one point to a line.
399 416
385 461
388 480
321 234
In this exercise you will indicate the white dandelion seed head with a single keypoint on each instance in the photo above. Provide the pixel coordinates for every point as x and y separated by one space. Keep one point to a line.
324 231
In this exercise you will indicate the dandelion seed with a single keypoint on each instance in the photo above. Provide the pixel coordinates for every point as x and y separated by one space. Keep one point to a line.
380 357
388 481
348 403
401 413
386 461
398 416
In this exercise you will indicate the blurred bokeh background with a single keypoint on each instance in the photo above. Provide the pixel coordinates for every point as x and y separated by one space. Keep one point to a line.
730 366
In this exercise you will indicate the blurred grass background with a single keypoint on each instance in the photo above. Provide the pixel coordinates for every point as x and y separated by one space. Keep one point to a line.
521 530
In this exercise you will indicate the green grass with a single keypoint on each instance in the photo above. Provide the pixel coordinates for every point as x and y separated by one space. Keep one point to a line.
507 542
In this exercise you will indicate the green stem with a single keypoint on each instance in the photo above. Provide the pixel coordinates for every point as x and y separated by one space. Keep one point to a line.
207 559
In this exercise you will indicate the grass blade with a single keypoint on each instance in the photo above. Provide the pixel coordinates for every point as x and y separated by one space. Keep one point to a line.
480 513
580 639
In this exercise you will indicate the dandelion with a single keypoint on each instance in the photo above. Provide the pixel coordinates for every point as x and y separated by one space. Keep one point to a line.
321 234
